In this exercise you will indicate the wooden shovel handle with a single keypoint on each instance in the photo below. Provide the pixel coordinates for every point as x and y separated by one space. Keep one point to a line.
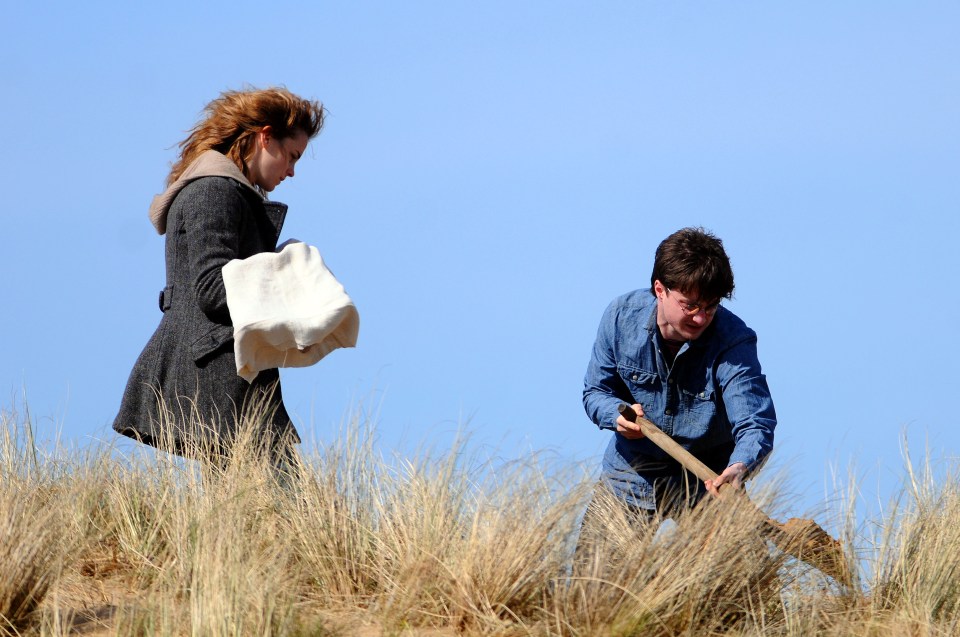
803 539
668 444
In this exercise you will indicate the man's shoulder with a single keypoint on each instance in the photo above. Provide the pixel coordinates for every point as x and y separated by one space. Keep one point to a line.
632 312
730 328
640 299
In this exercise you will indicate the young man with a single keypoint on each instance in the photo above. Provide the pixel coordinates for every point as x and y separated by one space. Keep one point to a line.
689 365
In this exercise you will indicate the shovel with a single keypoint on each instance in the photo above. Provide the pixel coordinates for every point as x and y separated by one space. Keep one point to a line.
803 539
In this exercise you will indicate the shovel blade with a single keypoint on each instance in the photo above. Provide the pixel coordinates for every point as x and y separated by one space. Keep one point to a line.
808 542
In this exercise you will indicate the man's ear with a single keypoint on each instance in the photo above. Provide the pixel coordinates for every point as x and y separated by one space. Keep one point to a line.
658 288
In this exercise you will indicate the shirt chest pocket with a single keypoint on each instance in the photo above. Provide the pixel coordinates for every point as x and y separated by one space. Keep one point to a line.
700 410
643 385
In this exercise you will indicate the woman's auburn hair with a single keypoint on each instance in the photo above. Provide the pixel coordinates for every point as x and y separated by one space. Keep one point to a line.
233 120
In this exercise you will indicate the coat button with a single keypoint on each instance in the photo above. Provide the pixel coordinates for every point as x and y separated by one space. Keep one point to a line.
634 377
668 411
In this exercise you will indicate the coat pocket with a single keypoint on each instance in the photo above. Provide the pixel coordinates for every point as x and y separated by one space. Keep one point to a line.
212 341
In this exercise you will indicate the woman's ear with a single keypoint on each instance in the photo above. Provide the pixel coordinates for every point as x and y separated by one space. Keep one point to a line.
264 136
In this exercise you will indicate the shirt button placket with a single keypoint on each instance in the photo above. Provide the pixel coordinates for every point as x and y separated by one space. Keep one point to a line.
668 410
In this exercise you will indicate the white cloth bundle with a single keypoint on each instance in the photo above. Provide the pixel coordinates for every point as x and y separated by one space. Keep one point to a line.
288 309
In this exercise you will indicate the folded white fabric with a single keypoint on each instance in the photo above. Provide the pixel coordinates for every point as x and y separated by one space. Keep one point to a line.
288 309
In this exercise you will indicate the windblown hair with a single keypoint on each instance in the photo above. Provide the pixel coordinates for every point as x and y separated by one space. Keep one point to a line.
233 120
692 260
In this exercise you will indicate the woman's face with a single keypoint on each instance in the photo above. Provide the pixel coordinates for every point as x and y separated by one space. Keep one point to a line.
273 159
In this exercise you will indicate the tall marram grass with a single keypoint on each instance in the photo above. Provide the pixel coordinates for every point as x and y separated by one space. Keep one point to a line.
344 541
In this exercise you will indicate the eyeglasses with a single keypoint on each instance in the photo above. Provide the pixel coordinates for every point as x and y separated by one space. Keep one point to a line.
690 309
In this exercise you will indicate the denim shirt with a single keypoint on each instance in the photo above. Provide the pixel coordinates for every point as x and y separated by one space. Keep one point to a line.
713 400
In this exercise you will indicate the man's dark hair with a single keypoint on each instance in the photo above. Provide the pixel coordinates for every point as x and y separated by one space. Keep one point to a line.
692 260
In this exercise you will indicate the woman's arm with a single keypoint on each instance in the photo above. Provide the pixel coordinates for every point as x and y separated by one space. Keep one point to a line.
213 218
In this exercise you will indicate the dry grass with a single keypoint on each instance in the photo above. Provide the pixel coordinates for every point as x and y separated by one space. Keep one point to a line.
350 543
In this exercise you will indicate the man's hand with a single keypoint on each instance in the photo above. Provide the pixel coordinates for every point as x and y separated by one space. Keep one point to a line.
630 430
732 475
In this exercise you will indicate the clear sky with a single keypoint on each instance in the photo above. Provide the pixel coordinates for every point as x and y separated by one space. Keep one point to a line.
490 176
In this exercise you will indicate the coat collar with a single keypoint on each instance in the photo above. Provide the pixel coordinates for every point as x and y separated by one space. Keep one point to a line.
209 164
276 213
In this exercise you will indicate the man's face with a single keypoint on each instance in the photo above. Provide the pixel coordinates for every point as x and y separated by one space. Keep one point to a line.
673 313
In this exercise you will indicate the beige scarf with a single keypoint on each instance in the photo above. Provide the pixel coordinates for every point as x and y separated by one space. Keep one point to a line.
209 164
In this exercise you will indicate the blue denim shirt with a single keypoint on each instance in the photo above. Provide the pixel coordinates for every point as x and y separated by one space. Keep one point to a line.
713 400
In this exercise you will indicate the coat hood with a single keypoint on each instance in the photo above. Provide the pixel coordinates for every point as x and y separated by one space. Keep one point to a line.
209 164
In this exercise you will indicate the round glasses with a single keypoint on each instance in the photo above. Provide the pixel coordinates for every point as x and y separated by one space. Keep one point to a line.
691 309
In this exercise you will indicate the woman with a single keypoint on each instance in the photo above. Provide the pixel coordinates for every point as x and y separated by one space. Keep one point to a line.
184 394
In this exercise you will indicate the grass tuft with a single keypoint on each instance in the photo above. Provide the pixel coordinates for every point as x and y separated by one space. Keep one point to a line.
341 541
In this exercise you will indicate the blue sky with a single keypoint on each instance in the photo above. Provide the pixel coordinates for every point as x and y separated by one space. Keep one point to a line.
490 176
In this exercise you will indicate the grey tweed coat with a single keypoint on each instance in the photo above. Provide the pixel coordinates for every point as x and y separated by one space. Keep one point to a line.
185 382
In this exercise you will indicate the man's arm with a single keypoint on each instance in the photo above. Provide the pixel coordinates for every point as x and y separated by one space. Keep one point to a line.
749 407
603 389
